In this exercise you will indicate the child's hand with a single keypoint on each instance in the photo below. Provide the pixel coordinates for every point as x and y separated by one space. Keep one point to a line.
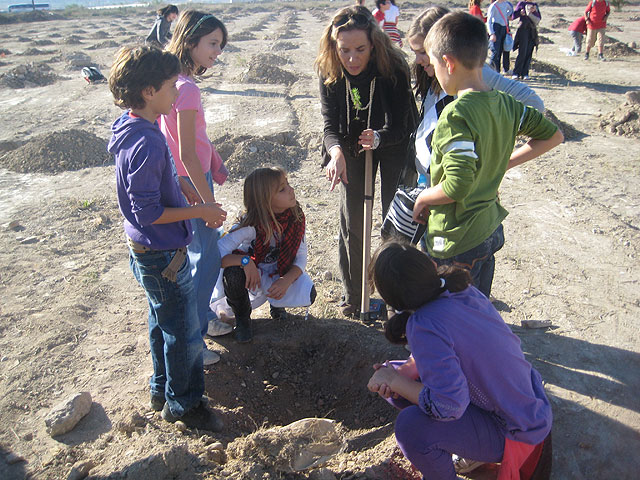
213 215
278 288
380 382
252 274
421 210
189 192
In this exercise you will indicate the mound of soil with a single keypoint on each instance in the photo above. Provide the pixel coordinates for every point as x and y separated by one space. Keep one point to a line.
279 46
249 153
269 59
100 34
616 48
625 120
260 71
4 51
544 67
42 43
28 17
544 40
242 36
28 75
58 152
569 131
105 44
30 52
560 23
72 40
75 60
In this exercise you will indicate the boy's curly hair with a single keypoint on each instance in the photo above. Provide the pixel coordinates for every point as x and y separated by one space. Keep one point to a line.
137 68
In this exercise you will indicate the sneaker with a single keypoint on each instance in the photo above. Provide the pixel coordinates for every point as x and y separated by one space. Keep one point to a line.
209 357
601 57
571 53
514 77
156 402
526 77
217 328
278 313
586 56
464 465
200 417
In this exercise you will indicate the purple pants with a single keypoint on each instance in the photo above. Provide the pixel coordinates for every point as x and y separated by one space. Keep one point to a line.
428 443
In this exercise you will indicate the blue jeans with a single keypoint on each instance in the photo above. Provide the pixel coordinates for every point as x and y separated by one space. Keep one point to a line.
204 258
497 47
174 330
480 260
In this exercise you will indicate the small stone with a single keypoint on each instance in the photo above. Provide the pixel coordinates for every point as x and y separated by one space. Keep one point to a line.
215 455
80 470
15 226
65 416
29 240
216 446
181 426
242 384
27 437
13 458
525 291
275 375
327 275
536 323
253 149
321 474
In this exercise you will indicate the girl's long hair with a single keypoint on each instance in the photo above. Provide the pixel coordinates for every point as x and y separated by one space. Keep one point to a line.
407 279
420 27
386 57
188 33
259 188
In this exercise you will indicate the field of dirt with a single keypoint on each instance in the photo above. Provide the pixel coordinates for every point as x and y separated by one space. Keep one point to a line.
72 318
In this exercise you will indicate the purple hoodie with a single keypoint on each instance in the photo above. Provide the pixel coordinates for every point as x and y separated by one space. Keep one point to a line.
146 183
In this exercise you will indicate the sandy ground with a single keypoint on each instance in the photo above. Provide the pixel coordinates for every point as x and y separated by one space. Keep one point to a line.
73 319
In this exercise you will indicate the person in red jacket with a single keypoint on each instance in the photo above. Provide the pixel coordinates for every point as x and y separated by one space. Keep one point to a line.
596 15
577 29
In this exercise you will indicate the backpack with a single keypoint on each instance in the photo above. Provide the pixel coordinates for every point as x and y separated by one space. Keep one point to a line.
93 75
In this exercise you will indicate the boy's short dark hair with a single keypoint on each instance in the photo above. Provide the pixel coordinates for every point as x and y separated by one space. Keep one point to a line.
460 35
137 68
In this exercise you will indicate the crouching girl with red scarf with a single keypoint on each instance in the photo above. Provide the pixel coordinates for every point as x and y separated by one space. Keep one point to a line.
264 256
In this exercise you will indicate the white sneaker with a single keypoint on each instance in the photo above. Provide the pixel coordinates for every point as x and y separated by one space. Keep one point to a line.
526 77
464 465
514 77
217 328
209 357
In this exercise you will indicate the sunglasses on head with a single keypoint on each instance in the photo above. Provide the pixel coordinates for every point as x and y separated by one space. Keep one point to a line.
358 19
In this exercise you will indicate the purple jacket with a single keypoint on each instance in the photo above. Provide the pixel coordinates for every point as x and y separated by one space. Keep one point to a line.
465 353
146 183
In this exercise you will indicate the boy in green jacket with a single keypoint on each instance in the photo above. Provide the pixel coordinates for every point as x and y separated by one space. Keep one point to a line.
472 149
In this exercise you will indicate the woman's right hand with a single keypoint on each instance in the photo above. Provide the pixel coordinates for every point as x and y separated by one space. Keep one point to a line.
493 38
336 168
212 214
252 275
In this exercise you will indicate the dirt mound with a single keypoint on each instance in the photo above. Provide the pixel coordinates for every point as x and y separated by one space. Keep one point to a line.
242 36
544 40
105 44
569 131
42 43
544 67
28 17
28 75
58 152
625 120
31 51
269 59
615 48
76 60
560 23
545 30
100 34
72 40
261 72
279 46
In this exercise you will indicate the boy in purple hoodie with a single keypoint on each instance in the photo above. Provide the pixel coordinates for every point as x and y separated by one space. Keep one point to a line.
156 223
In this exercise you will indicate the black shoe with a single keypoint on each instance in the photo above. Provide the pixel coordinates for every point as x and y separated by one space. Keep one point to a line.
242 330
278 313
199 417
156 402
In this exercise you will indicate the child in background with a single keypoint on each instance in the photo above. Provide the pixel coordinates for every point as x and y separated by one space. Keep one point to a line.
160 33
156 222
475 10
472 148
264 256
467 388
577 29
198 40
498 16
596 15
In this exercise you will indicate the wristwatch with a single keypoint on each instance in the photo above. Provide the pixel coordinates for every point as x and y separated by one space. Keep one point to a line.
245 261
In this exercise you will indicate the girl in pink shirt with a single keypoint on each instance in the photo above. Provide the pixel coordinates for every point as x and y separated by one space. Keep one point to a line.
197 41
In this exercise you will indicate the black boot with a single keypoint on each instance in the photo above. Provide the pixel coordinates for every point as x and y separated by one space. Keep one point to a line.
243 331
278 313
234 280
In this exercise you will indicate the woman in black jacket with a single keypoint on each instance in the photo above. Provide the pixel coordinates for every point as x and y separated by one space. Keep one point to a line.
367 104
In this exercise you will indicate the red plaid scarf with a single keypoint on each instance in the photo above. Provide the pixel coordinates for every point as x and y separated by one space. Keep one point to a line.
287 243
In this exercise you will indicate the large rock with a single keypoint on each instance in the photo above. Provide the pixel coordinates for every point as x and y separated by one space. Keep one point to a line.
66 415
